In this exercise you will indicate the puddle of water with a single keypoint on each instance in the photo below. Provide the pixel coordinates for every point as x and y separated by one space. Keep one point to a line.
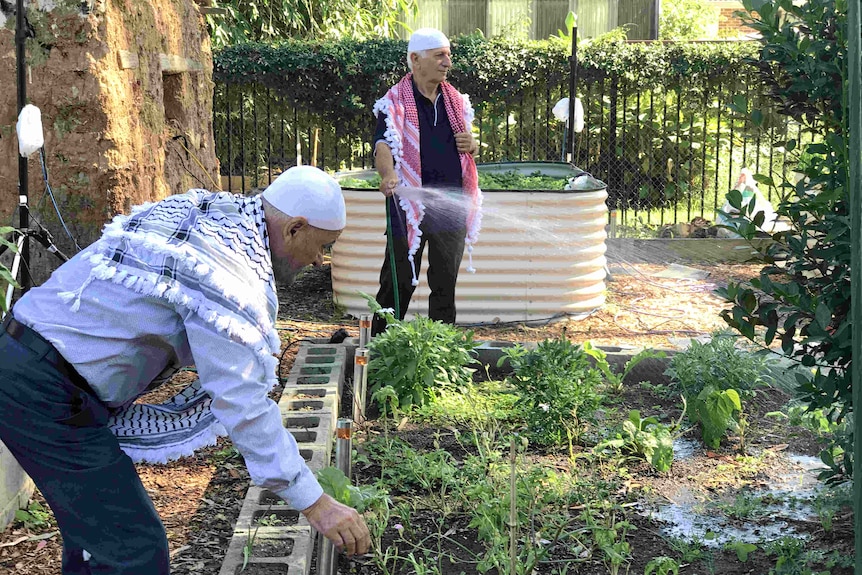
789 497
685 448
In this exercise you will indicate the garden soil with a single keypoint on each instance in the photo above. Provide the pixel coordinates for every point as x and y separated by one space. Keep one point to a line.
199 497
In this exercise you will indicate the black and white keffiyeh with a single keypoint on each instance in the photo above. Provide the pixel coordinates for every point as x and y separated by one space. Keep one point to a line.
205 251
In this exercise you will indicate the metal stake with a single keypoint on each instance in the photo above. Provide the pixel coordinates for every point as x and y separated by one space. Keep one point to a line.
327 561
364 329
360 381
343 444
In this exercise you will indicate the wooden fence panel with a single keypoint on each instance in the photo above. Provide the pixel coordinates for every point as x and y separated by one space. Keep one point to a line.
549 17
466 16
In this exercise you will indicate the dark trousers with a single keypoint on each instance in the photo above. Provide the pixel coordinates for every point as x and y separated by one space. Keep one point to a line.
445 250
91 486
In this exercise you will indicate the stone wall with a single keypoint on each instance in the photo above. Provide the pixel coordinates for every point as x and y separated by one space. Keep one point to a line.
125 91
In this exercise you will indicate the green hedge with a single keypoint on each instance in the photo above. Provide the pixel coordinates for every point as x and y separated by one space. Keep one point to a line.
340 80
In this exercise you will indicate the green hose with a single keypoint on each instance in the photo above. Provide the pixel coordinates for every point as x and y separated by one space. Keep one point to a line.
392 261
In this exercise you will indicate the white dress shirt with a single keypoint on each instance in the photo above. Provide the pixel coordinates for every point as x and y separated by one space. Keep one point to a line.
124 343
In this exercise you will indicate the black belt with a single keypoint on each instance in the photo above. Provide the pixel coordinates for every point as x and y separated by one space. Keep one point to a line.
31 339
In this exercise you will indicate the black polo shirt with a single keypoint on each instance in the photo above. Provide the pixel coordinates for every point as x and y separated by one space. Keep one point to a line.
441 163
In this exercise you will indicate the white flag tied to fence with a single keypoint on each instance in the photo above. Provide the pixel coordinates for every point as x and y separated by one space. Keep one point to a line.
561 112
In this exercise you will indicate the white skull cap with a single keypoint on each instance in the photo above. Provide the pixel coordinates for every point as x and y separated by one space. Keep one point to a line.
426 39
311 193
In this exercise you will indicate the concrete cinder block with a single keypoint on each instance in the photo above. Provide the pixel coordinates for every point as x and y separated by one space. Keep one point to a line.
16 487
287 549
309 407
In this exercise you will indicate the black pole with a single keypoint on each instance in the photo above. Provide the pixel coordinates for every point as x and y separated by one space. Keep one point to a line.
23 210
573 85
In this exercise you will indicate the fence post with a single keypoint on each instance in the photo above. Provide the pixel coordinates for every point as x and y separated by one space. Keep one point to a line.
573 86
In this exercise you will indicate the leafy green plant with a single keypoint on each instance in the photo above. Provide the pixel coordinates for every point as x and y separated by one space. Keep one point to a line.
646 438
791 558
336 484
801 298
662 566
714 409
719 364
418 357
689 551
615 380
514 181
714 378
742 549
36 516
557 389
609 533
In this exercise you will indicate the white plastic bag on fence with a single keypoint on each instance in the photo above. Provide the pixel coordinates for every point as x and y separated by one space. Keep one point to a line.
30 137
561 113
748 187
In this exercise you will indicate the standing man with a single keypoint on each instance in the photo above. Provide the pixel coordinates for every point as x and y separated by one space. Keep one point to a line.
187 280
423 140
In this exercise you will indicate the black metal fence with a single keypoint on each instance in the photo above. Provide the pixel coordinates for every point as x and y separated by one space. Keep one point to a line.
668 153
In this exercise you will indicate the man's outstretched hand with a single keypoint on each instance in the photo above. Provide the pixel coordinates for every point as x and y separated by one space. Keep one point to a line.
340 524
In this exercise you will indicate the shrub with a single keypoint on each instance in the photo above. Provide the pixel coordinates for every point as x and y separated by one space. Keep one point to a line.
557 388
714 378
418 357
802 297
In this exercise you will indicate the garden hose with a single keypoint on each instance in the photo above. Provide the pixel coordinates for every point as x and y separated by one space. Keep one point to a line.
392 260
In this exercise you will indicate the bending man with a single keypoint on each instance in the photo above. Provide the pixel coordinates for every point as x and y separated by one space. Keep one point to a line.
187 280
423 140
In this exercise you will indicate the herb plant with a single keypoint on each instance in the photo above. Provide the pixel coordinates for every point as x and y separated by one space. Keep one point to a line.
646 438
558 389
419 357
715 377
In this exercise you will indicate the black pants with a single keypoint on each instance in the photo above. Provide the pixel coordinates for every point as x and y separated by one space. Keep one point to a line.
91 485
445 250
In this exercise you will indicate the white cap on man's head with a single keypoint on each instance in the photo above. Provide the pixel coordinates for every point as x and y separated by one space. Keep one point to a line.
425 39
311 193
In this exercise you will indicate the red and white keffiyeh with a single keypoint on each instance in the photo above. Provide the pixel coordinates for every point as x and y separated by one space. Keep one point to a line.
402 136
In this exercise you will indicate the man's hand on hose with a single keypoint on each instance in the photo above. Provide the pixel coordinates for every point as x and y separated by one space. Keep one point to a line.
387 184
340 524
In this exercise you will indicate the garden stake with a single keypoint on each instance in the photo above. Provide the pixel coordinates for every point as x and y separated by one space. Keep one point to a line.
343 443
854 102
364 329
391 246
360 381
513 513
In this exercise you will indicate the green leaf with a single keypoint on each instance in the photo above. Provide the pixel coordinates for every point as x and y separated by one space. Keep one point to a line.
571 18
823 315
757 117
742 549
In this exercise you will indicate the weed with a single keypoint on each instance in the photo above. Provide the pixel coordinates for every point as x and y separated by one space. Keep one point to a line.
557 389
662 566
35 517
